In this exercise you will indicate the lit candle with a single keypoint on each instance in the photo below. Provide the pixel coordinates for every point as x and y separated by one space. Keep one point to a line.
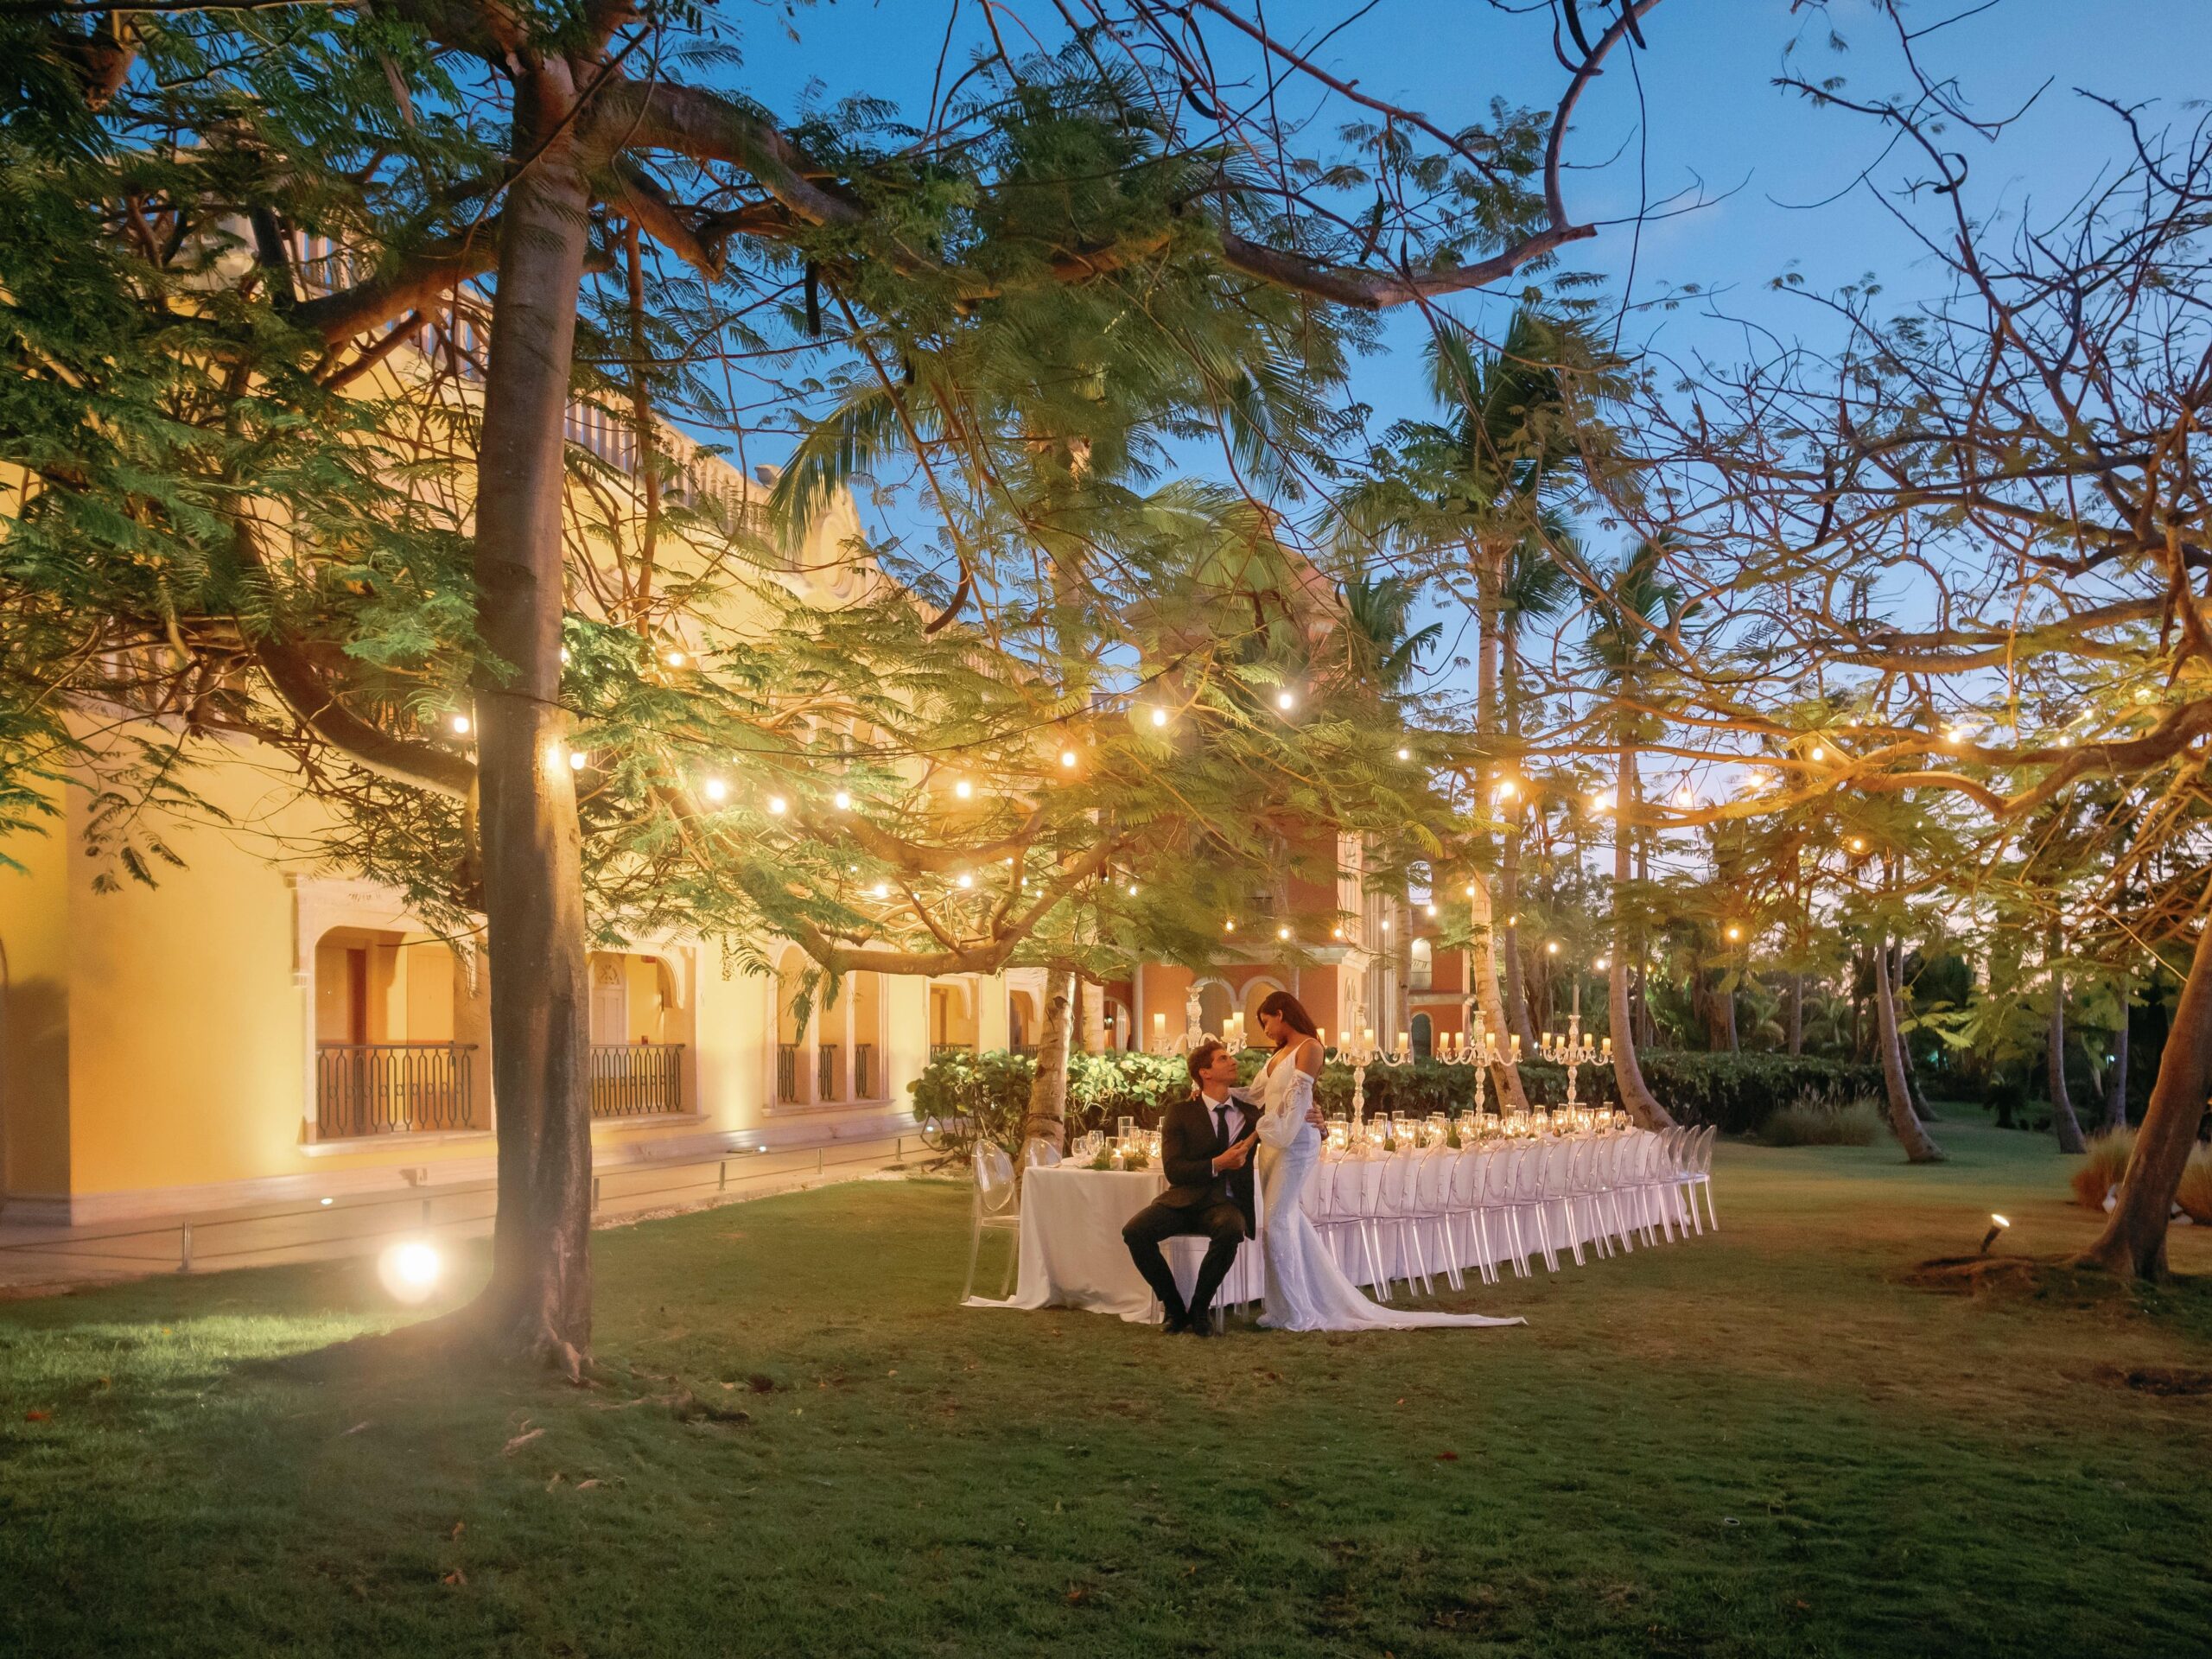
1321 1036
1160 1032
1367 1036
1404 1042
1516 1044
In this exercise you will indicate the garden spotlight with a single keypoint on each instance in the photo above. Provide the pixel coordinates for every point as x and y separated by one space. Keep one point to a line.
1997 1224
410 1270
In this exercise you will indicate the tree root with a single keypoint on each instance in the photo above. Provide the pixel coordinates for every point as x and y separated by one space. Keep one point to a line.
469 1337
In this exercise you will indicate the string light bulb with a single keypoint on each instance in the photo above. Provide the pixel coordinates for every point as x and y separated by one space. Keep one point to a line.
842 800
1159 717
714 789
1068 759
1405 754
1859 843
1282 933
675 659
963 788
578 759
778 806
459 723
1429 910
964 880
1285 700
1229 925
1551 947
882 889
1735 933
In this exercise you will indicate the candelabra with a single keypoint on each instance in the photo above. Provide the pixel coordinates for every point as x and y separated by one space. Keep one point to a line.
1359 1056
1573 1050
1479 1049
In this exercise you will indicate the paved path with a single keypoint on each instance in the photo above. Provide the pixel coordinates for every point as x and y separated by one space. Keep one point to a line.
40 1259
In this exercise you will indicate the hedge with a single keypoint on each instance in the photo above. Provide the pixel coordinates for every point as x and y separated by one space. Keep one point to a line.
964 1094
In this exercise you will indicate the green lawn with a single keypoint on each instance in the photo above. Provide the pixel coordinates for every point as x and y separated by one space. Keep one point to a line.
1762 1441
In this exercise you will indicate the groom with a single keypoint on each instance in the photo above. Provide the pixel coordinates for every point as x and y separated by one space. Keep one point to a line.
1205 1151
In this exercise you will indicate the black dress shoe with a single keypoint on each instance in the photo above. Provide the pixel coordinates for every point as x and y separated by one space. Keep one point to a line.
1198 1324
1175 1323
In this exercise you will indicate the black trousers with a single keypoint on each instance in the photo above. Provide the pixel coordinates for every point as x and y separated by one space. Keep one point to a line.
1222 1224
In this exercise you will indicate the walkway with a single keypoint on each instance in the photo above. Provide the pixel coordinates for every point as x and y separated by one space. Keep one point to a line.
33 1259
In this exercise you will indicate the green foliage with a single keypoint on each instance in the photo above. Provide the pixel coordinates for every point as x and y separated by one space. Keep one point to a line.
962 1095
1740 1092
966 1095
1815 1123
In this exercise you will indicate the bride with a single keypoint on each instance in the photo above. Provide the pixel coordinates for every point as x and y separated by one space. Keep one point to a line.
1307 1290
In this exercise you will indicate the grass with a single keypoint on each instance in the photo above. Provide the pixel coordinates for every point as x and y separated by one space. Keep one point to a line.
1763 1441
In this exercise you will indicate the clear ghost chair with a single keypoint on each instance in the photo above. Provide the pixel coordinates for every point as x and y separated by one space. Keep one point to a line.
996 1208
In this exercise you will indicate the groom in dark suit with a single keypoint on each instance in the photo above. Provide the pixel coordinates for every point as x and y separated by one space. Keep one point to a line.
1205 1151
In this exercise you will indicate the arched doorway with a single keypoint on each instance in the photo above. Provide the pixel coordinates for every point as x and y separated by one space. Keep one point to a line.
1424 1036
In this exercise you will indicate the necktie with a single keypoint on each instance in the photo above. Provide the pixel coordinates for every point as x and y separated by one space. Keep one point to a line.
1221 1124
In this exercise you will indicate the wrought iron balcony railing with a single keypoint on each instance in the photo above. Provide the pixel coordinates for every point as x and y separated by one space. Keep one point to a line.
364 1088
636 1079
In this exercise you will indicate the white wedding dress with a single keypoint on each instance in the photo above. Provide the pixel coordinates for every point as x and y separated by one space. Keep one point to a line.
1306 1288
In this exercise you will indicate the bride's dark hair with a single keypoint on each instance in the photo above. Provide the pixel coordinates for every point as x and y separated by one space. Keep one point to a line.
1292 1012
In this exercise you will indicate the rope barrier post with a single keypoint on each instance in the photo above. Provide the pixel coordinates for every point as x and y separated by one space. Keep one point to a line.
817 1160
594 1194
426 1215
184 1247
721 1178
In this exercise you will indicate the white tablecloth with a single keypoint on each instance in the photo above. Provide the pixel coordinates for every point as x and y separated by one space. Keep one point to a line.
1071 1250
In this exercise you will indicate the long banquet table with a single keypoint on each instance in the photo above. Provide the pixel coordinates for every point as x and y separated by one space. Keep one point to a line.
1072 1254
1071 1250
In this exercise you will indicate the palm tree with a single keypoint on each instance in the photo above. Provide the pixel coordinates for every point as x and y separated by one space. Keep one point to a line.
1536 590
1625 647
1481 488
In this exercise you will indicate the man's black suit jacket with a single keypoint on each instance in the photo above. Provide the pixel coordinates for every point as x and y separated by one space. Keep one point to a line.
1189 1142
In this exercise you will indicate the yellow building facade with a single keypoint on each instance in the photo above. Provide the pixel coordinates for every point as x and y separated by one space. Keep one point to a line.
253 1029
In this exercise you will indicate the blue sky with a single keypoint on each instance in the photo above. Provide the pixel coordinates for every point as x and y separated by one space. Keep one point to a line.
1709 122
1715 121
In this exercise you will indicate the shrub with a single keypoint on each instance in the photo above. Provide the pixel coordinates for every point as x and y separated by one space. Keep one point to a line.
964 1094
1811 1122
2100 1171
1739 1092
2196 1194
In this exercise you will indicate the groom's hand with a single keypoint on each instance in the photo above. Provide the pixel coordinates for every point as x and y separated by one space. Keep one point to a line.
1233 1159
1313 1116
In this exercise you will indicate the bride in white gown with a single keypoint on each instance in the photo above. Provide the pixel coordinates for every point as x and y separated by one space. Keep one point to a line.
1306 1288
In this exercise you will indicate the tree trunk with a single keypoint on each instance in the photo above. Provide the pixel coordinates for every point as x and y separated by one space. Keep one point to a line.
1919 1147
2116 1089
2134 1239
1517 993
1913 1091
537 1305
2061 1104
1048 1092
1796 1014
1506 1076
1517 997
1721 1007
1636 1098
1647 1027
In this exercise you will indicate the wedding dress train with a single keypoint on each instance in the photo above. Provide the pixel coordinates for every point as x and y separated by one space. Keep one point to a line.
1306 1288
